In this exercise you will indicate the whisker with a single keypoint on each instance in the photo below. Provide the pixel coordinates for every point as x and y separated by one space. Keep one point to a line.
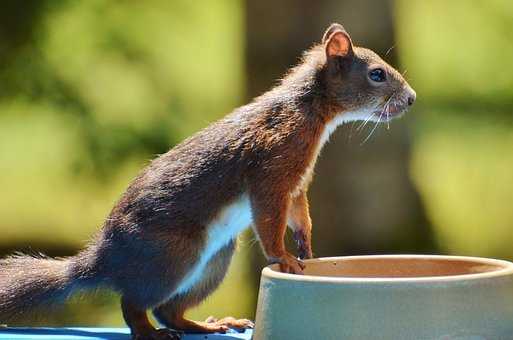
386 110
389 50
372 131
362 125
388 118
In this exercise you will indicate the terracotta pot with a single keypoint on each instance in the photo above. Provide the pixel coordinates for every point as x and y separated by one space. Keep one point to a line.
392 297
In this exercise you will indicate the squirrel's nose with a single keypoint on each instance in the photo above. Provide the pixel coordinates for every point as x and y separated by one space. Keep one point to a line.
411 100
411 96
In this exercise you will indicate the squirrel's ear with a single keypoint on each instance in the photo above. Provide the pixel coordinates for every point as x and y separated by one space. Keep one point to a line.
337 42
330 30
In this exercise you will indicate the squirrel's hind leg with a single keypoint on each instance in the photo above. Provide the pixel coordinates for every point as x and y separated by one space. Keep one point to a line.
171 314
140 327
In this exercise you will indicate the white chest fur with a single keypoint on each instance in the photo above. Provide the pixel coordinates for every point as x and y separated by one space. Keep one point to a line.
230 221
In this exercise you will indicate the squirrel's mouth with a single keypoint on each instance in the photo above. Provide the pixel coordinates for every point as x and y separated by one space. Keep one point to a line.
391 109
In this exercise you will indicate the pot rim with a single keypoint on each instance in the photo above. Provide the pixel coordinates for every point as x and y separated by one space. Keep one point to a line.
505 270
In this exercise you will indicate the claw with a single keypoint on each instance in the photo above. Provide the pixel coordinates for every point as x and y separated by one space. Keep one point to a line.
303 246
289 264
211 319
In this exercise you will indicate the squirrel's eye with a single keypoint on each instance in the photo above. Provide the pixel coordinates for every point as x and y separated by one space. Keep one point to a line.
377 75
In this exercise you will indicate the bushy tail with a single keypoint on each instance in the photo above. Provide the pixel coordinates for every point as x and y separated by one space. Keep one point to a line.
30 282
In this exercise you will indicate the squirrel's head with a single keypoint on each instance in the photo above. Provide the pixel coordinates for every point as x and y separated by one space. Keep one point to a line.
359 82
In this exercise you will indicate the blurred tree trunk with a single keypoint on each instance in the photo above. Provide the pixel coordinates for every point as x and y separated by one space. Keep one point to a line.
362 199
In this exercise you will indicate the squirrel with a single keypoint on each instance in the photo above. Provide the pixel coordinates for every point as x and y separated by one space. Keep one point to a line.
168 242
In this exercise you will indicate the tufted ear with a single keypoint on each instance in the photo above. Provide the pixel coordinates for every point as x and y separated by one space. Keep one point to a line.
337 42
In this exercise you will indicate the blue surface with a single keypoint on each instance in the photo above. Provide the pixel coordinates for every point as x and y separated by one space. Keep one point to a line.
101 334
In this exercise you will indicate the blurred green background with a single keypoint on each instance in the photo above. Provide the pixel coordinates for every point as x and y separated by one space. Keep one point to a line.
92 90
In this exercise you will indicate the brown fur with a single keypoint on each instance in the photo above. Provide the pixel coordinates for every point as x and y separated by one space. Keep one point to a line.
159 228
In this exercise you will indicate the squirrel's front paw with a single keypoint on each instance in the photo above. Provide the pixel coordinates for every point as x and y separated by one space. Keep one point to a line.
304 246
289 264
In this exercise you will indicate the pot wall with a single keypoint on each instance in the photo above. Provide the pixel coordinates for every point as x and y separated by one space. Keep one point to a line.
306 307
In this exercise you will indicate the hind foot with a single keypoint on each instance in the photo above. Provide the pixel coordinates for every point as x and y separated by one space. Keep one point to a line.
140 326
199 327
211 325
231 322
